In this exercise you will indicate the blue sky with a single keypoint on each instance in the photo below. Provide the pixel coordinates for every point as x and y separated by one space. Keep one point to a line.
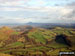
39 11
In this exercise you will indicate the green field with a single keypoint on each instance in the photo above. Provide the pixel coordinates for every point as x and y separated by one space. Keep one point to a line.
37 41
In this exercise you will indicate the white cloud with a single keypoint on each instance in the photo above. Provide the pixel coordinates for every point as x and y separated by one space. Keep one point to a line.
13 2
65 11
48 12
10 9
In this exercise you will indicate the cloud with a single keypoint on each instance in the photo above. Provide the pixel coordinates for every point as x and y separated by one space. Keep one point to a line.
70 16
13 2
13 20
22 11
10 9
37 14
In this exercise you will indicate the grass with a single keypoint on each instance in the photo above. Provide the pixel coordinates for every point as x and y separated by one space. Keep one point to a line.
2 54
55 52
57 45
40 48
15 33
16 44
40 36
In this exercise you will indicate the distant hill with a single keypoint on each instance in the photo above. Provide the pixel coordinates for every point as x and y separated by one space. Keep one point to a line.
51 25
43 25
22 28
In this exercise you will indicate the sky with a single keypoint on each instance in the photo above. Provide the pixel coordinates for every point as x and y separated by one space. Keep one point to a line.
37 11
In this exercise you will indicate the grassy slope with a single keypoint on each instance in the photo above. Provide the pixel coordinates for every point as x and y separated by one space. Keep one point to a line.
43 35
2 54
5 33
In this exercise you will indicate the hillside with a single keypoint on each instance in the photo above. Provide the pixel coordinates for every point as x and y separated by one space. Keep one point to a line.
36 41
5 33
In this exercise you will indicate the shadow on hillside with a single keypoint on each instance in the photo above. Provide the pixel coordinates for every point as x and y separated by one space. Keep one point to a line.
63 39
